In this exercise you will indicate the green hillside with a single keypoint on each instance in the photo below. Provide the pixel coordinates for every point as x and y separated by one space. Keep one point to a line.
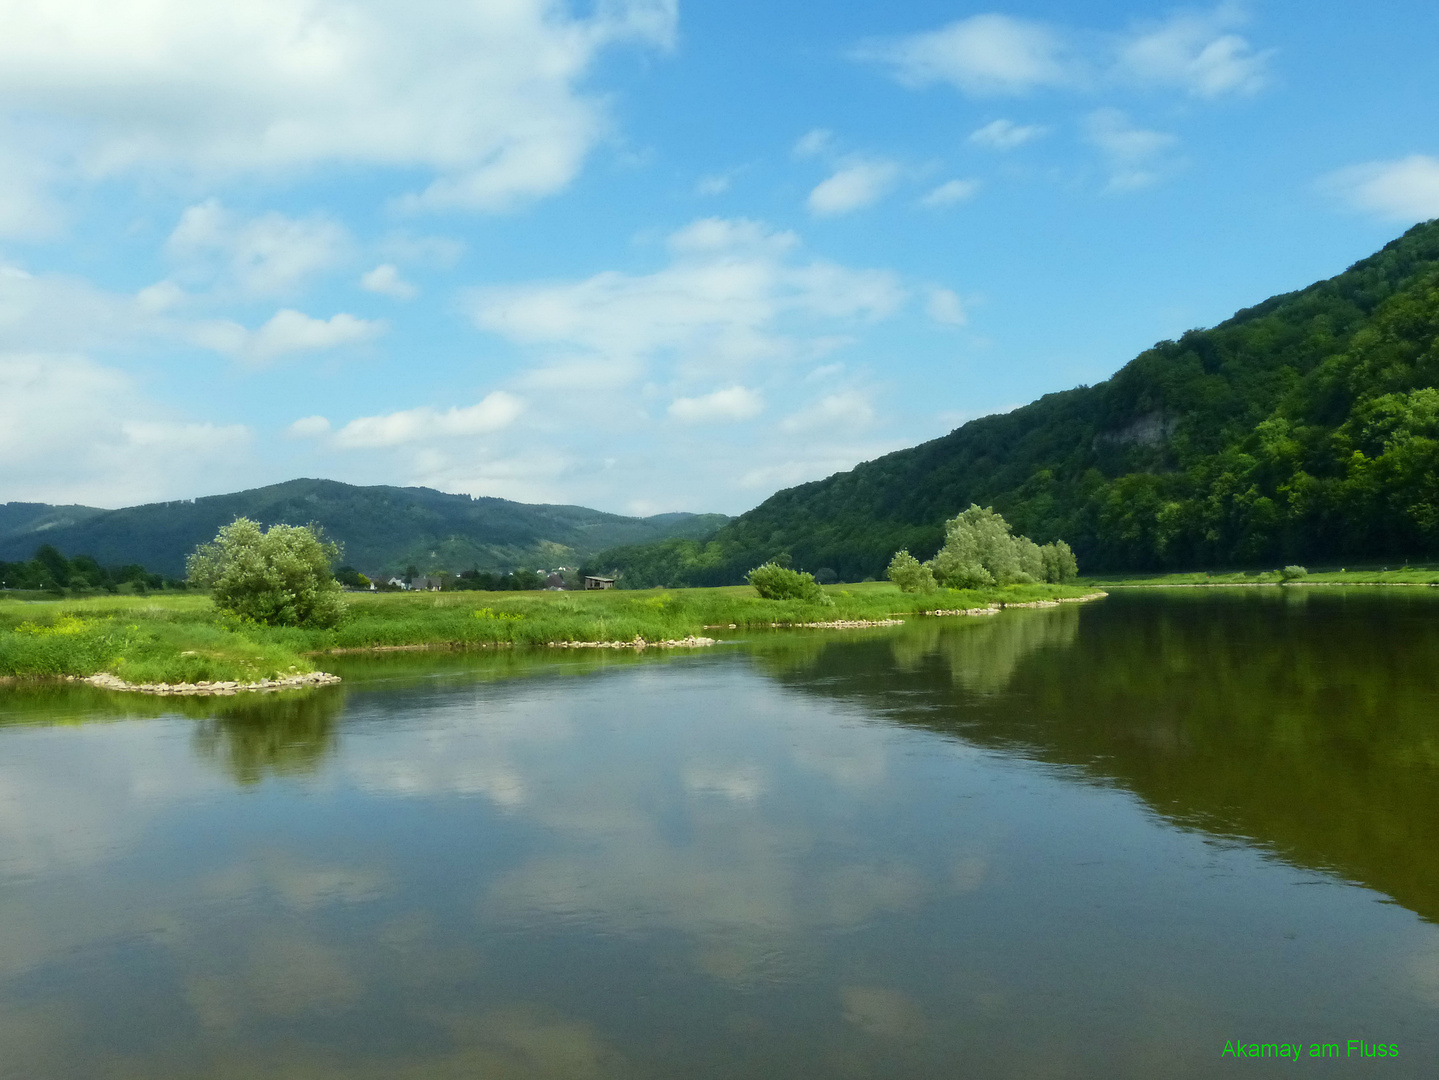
1301 430
383 529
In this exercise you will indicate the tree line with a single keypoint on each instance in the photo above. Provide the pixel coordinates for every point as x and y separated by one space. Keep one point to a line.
50 571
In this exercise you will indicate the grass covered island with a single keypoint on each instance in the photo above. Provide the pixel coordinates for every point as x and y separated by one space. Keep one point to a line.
185 639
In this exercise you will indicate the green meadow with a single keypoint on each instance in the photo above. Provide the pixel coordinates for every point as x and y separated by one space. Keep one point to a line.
183 638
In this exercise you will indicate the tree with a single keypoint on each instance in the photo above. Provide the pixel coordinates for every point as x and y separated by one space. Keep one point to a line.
349 576
979 550
1060 565
910 574
280 577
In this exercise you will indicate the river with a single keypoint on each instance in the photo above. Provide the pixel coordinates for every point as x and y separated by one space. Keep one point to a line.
1105 840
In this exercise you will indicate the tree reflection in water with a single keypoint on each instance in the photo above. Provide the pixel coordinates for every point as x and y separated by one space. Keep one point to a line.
281 734
1303 720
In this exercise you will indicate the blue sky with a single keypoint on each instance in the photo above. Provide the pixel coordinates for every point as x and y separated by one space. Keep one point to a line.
647 255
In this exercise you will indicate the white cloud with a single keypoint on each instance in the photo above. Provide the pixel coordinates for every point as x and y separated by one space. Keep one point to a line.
996 55
1136 157
848 410
1193 52
496 411
72 430
483 95
734 293
309 427
287 331
160 297
733 403
1406 189
27 211
386 280
853 187
983 55
268 255
814 143
950 192
945 306
1006 134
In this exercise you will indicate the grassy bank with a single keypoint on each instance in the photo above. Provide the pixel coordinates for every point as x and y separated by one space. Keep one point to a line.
181 638
1372 575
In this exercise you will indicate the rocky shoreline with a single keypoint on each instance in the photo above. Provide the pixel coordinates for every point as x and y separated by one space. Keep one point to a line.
995 609
638 643
106 681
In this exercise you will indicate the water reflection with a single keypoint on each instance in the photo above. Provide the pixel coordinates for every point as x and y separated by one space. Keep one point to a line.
815 855
1303 720
253 737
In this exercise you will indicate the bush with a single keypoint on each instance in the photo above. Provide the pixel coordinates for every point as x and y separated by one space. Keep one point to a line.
279 577
1293 573
775 582
910 574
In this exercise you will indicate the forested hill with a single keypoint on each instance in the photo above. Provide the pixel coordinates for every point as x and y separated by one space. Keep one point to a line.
1301 430
383 529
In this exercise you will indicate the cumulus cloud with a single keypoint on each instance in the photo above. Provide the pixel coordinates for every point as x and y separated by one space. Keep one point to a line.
483 96
855 186
309 427
72 430
1000 55
287 331
267 255
1006 134
1136 157
1195 52
735 292
950 192
733 403
58 312
983 55
1404 190
496 411
385 279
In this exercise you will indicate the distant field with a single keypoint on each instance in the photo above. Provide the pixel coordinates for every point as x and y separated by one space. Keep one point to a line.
181 638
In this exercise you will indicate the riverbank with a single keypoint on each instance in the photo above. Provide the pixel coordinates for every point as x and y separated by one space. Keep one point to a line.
181 639
1404 575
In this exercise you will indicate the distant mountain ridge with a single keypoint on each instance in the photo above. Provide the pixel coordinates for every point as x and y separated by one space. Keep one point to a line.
1305 428
383 529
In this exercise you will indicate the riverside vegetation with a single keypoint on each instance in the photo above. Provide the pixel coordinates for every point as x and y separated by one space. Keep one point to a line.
274 604
184 638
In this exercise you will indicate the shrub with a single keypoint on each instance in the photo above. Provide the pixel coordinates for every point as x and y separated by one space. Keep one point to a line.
279 577
775 582
1293 573
910 574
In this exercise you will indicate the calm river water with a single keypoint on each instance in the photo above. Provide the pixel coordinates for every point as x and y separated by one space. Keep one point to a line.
1093 841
